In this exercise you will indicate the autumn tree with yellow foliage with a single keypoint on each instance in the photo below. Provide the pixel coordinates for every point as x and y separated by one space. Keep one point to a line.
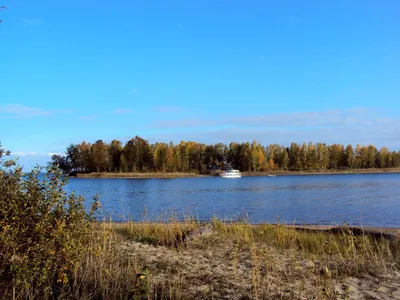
138 155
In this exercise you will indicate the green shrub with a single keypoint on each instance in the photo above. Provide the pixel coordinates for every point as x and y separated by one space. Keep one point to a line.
42 232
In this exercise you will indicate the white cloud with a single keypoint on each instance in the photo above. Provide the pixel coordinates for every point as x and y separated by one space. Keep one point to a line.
22 111
19 153
55 153
35 154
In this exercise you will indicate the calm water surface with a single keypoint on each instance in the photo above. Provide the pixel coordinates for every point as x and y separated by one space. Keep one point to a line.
370 200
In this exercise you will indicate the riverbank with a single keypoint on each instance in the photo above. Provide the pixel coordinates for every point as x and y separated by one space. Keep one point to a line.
188 260
323 172
244 174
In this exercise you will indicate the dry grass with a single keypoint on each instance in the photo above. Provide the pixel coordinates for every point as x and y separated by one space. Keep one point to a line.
233 261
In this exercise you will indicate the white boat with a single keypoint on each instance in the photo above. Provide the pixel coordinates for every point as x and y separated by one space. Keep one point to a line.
271 175
231 174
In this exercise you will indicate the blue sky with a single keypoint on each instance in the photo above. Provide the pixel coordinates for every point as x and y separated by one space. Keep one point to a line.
209 71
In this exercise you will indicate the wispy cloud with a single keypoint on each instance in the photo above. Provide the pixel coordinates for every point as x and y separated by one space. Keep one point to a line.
168 109
22 111
294 119
376 135
35 154
347 126
19 153
54 153
121 111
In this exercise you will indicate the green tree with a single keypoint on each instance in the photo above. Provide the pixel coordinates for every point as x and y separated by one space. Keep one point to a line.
43 232
312 156
161 157
171 158
124 163
85 156
99 156
371 156
322 156
138 156
283 158
114 153
349 156
335 156
303 157
383 158
295 163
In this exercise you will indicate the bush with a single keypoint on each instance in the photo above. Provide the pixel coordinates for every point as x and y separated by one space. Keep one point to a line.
42 232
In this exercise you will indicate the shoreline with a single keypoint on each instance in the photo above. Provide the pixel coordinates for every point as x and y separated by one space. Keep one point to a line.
389 231
154 175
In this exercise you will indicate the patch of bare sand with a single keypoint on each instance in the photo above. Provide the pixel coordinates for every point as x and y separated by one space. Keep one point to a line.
214 268
369 287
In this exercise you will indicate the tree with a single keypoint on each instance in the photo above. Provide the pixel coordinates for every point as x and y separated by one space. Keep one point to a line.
335 156
114 153
322 156
312 157
349 156
383 158
139 156
171 158
371 156
294 157
99 154
58 161
43 232
285 159
303 157
160 157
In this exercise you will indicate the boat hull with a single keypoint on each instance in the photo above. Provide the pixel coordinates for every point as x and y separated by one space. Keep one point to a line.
231 176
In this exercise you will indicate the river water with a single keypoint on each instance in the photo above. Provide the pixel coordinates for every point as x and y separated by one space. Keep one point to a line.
364 199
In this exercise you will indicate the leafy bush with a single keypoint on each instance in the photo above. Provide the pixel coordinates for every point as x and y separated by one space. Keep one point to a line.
42 232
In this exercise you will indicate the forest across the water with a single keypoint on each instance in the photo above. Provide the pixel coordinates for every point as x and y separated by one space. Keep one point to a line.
139 156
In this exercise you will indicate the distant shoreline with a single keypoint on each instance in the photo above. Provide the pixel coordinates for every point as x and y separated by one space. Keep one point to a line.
155 175
150 175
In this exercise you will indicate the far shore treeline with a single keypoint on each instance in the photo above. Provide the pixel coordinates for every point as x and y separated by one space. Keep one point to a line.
138 155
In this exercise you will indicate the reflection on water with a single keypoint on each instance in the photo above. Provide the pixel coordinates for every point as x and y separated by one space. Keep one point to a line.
372 200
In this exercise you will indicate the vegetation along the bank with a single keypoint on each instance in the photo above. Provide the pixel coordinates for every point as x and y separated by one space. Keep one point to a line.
51 247
139 156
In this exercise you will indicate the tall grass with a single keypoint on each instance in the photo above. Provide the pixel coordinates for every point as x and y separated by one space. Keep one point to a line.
109 270
350 254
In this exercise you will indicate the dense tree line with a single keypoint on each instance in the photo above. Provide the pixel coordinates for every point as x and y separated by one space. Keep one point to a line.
138 155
